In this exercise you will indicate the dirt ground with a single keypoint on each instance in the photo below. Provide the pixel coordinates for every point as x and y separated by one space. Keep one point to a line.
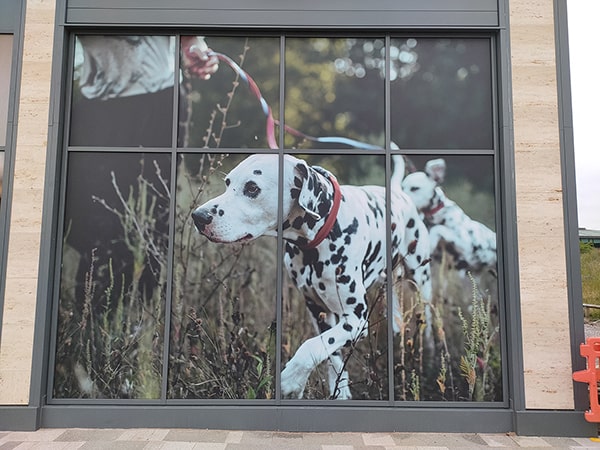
592 329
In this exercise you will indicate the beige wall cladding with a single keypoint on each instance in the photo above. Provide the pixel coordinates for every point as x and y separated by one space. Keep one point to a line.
544 301
26 215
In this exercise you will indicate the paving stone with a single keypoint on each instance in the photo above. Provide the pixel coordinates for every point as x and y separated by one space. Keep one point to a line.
114 445
43 434
144 434
420 447
530 441
252 437
186 435
41 445
169 446
592 442
380 439
497 440
234 437
87 434
9 445
455 440
561 442
355 439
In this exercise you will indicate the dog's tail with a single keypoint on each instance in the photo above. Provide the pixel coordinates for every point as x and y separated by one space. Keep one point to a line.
399 170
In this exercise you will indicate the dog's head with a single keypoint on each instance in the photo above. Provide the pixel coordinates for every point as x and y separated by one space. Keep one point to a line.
421 186
248 207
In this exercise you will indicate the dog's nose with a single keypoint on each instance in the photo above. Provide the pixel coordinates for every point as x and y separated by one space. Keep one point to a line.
201 218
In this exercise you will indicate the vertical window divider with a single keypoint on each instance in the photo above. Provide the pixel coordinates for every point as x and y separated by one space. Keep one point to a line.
64 153
388 232
172 212
279 276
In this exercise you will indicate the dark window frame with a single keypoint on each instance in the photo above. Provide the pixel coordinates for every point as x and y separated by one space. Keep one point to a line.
175 151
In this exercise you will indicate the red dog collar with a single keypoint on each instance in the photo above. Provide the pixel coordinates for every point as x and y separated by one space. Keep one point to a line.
328 225
432 211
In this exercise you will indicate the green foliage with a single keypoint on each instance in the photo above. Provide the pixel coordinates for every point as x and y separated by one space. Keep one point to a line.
479 340
590 279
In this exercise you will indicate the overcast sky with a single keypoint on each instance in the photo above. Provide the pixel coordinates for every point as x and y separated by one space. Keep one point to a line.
585 86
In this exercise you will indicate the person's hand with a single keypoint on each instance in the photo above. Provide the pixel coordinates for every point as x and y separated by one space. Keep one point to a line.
196 58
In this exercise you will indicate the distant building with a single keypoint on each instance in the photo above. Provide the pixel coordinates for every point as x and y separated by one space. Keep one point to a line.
592 236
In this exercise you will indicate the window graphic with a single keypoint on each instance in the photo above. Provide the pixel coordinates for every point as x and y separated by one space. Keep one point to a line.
6 41
316 220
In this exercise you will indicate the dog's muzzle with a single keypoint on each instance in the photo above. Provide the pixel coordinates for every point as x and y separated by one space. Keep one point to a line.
201 218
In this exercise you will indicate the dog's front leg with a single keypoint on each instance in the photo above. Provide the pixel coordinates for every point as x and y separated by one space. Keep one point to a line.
317 349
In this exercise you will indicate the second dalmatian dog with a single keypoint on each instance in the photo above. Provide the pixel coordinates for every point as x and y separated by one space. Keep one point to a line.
474 244
335 248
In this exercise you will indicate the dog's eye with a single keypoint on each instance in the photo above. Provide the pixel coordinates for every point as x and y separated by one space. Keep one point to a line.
251 189
414 189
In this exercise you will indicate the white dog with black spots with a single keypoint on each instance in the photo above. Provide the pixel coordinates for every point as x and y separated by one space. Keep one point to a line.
335 249
472 243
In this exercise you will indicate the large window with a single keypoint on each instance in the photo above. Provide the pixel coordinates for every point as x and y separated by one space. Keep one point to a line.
6 41
209 252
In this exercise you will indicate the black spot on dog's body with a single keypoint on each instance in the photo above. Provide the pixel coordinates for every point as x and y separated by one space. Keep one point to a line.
410 223
331 341
257 172
336 231
343 279
360 310
324 208
347 327
352 286
297 223
350 300
352 228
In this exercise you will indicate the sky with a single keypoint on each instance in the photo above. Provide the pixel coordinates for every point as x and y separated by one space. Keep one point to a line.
585 90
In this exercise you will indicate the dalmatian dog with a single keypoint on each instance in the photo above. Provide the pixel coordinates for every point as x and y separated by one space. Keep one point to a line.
473 242
335 248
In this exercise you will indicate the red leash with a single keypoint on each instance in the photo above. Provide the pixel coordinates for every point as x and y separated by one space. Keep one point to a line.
270 125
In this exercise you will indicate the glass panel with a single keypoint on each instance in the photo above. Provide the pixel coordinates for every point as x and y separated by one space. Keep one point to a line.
334 93
1 173
6 41
441 93
113 276
123 91
449 349
223 315
334 319
237 106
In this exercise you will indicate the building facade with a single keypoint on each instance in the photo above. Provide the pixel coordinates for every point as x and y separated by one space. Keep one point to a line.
139 289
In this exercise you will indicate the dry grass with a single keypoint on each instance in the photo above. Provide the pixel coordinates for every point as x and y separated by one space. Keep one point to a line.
590 279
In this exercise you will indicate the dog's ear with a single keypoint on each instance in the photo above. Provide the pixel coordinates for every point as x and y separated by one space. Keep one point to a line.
436 169
309 189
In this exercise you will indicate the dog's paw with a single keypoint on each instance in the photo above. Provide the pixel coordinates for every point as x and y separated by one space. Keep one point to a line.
293 381
342 393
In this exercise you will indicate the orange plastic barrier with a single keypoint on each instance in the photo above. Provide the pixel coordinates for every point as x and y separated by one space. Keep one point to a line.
591 351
